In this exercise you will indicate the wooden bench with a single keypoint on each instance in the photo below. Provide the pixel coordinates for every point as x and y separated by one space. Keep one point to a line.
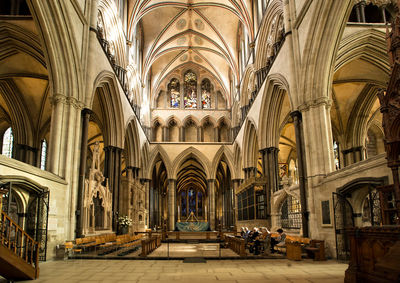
316 250
236 244
149 245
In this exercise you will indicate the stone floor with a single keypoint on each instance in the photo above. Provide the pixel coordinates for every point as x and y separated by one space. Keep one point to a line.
223 271
192 250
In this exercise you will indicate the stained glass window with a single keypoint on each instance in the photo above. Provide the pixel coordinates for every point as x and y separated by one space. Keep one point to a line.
43 155
174 93
8 140
183 203
206 89
190 90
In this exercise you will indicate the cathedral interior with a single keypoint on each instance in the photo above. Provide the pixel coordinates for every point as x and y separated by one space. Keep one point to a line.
201 117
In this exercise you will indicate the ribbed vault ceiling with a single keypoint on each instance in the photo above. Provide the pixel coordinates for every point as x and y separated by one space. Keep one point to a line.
197 32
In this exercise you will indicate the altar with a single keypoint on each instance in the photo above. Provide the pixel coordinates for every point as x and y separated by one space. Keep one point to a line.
192 224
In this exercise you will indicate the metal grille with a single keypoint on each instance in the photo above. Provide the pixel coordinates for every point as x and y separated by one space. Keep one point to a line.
344 218
290 214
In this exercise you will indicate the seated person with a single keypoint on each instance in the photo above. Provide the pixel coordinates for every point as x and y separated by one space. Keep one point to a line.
276 240
254 238
265 239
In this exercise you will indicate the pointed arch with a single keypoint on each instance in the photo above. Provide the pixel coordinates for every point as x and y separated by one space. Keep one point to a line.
187 153
275 91
250 155
159 153
225 154
132 144
106 87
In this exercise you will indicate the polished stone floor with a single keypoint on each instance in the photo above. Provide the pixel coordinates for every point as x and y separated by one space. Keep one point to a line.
222 271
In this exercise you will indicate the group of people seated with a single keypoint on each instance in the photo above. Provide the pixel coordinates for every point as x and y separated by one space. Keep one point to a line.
261 238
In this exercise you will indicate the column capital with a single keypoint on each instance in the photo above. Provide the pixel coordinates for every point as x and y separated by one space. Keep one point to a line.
111 148
171 180
87 111
296 114
269 150
145 180
314 103
210 180
67 100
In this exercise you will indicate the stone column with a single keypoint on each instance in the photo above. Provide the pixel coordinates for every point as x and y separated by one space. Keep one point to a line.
199 134
171 203
270 171
298 127
216 133
112 171
181 134
147 200
236 184
63 154
82 170
164 133
211 203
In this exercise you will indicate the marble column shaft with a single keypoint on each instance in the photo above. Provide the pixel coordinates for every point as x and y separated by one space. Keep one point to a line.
112 171
171 203
298 128
82 170
211 203
271 172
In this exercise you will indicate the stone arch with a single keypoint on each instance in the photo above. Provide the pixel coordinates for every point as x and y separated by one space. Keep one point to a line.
144 158
237 159
274 8
320 49
62 55
369 45
173 118
132 145
223 154
159 120
109 98
112 21
248 79
191 152
250 155
271 106
159 153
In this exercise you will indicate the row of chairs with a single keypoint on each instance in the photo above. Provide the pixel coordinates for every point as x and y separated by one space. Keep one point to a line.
83 244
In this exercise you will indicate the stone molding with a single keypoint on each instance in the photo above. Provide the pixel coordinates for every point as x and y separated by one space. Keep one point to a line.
320 101
67 100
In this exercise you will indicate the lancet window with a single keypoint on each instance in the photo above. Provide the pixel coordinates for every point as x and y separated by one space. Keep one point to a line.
206 89
190 90
43 155
8 140
174 93
191 200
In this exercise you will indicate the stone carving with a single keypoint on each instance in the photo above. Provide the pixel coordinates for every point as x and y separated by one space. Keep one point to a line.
97 201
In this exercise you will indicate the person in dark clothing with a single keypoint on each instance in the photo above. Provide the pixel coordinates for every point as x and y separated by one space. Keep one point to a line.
254 238
276 240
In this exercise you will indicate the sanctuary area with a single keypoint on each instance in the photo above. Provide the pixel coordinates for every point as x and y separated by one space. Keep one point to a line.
198 130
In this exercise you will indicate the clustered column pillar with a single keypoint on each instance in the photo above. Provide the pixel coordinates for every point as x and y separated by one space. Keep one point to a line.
298 128
112 171
211 203
171 203
82 171
271 172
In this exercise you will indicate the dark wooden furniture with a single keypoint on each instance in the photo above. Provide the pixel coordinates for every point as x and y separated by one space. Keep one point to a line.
374 255
316 250
236 244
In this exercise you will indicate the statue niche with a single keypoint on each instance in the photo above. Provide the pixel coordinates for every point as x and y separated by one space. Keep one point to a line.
97 198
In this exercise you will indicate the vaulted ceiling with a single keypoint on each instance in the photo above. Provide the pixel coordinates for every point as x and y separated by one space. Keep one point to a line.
190 32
